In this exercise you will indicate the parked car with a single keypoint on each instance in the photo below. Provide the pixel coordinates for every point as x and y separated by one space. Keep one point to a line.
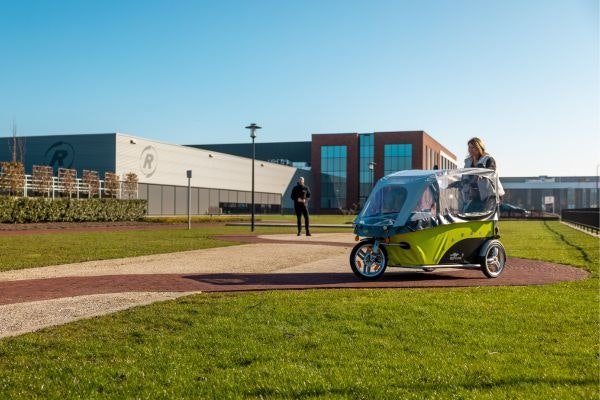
509 210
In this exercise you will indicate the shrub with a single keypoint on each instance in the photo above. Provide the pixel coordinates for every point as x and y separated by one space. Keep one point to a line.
36 209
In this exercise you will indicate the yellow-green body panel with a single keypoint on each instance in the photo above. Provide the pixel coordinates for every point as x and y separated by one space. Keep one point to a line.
428 246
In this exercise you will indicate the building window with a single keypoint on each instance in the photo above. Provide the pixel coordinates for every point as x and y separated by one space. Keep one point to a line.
366 156
333 176
397 157
571 198
446 163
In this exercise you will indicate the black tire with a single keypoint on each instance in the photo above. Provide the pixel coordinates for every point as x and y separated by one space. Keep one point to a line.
492 258
365 264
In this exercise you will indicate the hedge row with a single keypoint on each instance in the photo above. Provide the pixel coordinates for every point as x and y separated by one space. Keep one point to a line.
38 209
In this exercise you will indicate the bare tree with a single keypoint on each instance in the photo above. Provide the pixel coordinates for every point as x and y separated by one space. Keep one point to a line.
17 148
41 178
68 180
14 142
12 177
111 184
92 180
130 185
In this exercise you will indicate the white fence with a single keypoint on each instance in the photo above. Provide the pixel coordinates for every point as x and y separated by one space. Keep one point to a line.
75 189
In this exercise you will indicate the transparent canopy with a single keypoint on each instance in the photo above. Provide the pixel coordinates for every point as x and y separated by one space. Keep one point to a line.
415 199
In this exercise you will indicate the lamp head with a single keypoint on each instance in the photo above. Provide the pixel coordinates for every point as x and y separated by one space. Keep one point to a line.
253 127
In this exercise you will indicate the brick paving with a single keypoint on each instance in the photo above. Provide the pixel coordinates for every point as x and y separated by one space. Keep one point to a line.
30 304
517 272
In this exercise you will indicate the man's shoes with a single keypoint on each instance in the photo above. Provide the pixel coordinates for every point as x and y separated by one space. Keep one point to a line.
307 234
298 234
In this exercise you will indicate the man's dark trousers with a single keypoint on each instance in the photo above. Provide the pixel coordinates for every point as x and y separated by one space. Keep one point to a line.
301 209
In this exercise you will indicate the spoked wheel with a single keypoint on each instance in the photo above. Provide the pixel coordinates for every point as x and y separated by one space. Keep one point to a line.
366 263
493 258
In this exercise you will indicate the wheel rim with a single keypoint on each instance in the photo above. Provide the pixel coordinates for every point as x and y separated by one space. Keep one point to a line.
368 262
495 260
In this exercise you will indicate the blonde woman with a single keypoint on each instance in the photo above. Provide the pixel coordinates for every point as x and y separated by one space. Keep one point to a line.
478 157
475 199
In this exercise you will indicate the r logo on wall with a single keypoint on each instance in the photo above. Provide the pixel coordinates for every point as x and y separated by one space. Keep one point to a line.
60 155
148 161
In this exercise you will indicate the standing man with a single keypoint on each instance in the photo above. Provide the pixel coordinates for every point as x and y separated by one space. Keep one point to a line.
300 196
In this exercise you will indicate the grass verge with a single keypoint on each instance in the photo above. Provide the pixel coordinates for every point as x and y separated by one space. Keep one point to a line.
37 250
315 219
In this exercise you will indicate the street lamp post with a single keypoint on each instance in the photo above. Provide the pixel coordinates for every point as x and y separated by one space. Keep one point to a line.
372 168
188 173
597 183
253 127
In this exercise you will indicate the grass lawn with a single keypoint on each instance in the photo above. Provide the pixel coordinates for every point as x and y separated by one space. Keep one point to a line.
315 219
538 342
37 250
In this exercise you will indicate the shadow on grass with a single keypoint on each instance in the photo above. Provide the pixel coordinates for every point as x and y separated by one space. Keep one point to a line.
582 251
276 281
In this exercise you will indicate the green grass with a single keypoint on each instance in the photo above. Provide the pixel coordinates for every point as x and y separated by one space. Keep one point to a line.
180 219
315 219
36 250
528 343
25 251
538 342
550 241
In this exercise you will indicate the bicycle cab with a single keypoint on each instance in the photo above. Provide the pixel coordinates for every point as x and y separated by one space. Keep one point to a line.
413 200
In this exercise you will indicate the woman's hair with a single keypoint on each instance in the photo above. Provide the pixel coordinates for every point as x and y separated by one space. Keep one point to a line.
478 144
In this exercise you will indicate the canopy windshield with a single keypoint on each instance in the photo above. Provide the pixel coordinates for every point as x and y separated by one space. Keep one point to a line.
415 199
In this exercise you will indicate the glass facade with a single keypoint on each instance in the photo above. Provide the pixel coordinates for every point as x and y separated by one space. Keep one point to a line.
366 156
334 175
397 157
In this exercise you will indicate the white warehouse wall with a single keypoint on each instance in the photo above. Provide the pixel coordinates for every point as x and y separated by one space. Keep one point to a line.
166 164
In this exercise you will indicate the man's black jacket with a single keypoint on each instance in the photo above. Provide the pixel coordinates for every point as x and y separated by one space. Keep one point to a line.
300 192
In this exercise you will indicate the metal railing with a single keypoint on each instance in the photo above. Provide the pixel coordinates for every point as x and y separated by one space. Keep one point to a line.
73 189
585 218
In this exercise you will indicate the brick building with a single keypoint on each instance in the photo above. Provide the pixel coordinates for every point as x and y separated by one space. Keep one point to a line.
345 165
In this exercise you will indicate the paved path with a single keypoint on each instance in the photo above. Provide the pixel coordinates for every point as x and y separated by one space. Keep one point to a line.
518 272
330 270
265 263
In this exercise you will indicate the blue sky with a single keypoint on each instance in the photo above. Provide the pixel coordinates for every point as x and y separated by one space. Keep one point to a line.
523 75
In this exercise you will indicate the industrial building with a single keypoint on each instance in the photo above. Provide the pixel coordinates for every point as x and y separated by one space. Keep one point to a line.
220 183
340 170
343 166
551 194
